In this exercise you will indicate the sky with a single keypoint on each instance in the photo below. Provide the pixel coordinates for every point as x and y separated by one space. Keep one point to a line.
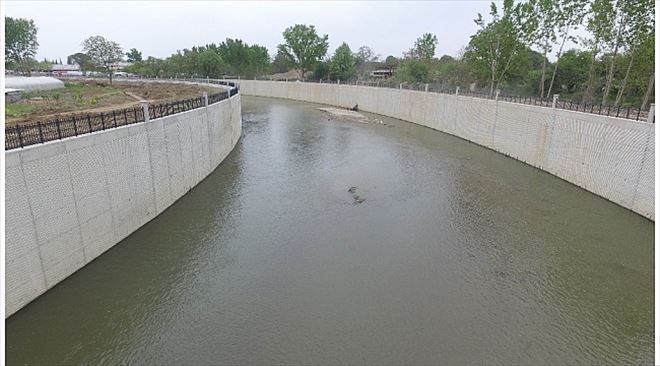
159 28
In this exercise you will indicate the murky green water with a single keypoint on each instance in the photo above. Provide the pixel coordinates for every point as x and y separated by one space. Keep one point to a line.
457 255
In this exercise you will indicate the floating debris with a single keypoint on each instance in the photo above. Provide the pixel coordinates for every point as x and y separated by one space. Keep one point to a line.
356 199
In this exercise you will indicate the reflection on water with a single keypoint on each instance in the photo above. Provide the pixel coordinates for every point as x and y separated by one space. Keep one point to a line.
457 255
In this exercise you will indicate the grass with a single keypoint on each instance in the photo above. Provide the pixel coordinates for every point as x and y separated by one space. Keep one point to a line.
18 110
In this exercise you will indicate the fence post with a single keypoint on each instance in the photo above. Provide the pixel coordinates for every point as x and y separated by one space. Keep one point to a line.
554 100
457 89
206 99
651 117
145 109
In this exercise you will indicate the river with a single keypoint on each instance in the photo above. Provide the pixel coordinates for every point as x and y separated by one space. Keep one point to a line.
443 252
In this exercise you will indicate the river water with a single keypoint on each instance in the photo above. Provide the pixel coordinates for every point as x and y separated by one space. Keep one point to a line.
456 255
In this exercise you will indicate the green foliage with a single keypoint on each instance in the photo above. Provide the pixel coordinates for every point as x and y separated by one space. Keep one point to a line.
232 57
20 43
391 61
303 47
414 70
281 63
497 45
424 48
573 70
134 55
18 109
103 53
322 70
342 63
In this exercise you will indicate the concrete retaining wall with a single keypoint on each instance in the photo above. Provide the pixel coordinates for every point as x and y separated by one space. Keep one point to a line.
611 157
70 200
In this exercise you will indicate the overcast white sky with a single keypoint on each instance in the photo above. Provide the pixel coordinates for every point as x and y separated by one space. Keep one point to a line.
159 28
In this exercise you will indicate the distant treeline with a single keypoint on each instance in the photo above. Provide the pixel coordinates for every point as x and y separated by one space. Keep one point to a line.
613 64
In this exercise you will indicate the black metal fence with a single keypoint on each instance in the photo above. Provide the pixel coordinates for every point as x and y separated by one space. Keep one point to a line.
26 134
632 113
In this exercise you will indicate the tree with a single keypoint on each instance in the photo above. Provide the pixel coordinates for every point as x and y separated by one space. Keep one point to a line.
104 54
303 47
628 16
497 45
20 42
641 28
545 18
414 70
258 60
572 70
366 54
391 61
322 70
82 60
210 64
342 63
569 17
424 47
599 24
133 55
281 63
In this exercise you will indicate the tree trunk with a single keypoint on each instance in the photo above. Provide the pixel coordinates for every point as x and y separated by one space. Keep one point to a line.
492 84
619 95
588 94
545 53
649 89
610 72
554 72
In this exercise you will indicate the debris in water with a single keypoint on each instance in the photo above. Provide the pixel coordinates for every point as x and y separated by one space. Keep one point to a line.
356 199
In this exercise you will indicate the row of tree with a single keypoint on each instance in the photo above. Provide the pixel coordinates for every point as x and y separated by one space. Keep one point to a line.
619 31
231 57
510 51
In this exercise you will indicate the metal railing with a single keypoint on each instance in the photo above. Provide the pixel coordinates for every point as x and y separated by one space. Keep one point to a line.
631 113
76 124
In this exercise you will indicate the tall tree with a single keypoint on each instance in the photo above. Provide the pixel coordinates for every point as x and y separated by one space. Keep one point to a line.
599 23
104 54
640 28
497 45
20 42
545 18
258 60
366 54
619 22
303 46
424 48
569 17
281 63
83 61
342 63
133 55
